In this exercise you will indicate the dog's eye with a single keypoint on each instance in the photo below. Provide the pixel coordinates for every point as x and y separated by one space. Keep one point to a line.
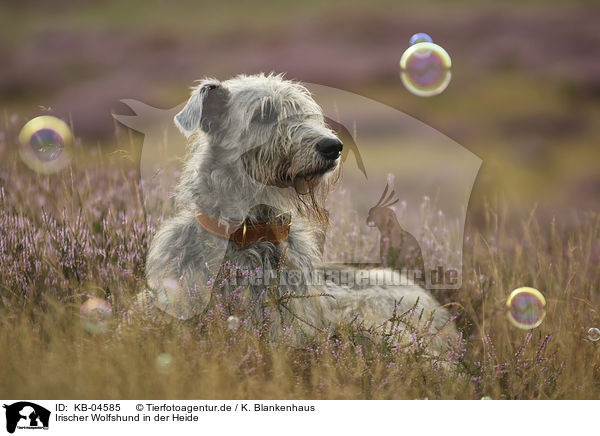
266 113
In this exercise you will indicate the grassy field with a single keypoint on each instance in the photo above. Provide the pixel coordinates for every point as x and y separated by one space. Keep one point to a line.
82 233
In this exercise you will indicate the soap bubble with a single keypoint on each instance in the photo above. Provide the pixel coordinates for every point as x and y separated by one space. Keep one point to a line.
46 143
95 315
163 362
420 37
594 334
233 323
526 308
425 69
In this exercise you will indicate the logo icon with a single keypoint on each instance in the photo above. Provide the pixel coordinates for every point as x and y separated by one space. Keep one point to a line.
26 415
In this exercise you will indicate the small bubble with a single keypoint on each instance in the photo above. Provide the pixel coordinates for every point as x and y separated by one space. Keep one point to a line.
163 362
95 315
46 144
526 308
420 37
594 334
425 69
233 323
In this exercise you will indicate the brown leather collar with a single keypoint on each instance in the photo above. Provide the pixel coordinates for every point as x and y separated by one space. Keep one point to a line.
243 233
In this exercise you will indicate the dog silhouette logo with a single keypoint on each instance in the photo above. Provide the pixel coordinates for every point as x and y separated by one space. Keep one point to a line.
432 177
26 415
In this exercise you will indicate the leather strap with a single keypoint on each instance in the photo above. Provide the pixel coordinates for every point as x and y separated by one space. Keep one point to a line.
242 233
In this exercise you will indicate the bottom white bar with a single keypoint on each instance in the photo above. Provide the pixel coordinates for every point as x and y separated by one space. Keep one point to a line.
298 417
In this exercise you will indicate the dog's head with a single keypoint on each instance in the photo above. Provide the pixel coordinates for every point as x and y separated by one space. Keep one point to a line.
270 125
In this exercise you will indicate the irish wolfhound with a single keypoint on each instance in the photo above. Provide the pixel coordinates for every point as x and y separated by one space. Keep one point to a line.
251 194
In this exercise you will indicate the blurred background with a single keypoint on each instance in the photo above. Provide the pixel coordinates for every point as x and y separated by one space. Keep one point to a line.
524 95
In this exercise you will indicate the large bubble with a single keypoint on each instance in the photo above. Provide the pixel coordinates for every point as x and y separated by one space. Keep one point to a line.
425 69
526 308
46 143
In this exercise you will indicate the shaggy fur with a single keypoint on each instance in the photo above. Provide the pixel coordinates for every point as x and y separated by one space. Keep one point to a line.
252 155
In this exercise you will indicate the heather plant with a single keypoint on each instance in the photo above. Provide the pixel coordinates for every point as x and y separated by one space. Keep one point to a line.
84 233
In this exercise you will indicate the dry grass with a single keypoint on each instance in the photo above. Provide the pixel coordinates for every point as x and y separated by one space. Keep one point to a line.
82 233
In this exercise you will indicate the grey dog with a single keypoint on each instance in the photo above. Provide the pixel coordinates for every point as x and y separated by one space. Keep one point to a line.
262 157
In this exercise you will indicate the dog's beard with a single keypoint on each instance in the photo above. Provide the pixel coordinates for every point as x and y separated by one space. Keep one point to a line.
304 183
310 178
307 173
312 189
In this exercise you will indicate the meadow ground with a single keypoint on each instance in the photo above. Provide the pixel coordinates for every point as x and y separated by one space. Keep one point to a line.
82 233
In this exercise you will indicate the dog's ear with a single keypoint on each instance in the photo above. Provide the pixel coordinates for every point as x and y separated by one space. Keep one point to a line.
204 109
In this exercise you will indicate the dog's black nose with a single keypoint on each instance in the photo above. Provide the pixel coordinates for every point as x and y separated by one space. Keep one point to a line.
330 148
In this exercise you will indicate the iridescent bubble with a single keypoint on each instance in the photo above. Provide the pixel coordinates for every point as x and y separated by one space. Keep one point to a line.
164 362
233 323
425 69
95 315
526 308
594 334
420 37
46 143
